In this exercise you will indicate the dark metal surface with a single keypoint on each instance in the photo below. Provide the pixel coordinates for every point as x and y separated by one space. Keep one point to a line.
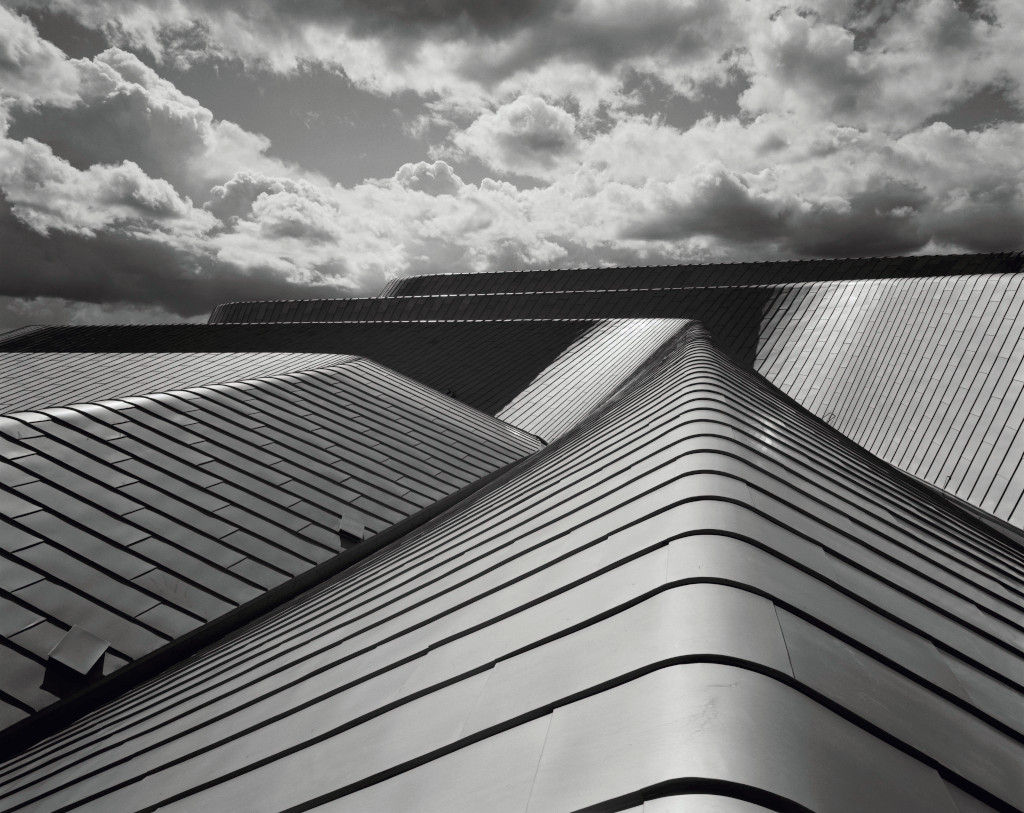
143 518
79 650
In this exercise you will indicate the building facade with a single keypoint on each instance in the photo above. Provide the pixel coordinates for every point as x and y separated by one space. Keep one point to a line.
693 539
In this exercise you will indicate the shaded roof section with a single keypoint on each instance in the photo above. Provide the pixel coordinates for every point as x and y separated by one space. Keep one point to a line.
715 305
689 591
33 381
695 276
484 365
925 371
921 364
138 520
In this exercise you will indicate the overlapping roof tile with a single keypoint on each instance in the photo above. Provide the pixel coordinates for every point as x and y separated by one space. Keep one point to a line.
142 518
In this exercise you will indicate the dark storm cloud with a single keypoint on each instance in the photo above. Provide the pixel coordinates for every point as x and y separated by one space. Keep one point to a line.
887 216
116 266
722 206
990 220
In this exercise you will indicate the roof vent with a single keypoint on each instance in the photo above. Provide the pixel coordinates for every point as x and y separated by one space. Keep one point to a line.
76 661
350 531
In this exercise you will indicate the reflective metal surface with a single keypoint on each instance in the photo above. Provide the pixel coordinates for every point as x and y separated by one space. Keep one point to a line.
699 598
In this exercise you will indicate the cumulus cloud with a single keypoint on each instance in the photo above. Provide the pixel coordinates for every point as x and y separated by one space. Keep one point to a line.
46 192
98 226
527 136
124 268
843 192
235 198
32 70
720 204
123 110
920 59
847 56
682 42
437 178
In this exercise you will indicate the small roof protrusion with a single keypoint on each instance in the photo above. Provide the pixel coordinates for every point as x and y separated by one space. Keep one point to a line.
75 661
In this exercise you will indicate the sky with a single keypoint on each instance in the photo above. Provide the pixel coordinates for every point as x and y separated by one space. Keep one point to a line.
158 157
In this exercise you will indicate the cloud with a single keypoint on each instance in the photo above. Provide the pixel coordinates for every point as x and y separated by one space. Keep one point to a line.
680 41
975 183
919 58
45 192
464 51
235 198
32 70
114 221
885 217
801 65
862 62
839 192
720 204
124 111
876 215
17 312
423 219
434 179
488 18
105 229
526 136
131 267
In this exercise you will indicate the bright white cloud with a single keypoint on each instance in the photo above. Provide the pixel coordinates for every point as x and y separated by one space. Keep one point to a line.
46 192
919 59
124 110
527 136
437 178
32 71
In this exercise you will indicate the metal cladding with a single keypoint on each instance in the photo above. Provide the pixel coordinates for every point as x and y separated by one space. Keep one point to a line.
540 375
142 519
34 380
925 374
484 364
900 354
586 374
655 291
714 275
700 598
